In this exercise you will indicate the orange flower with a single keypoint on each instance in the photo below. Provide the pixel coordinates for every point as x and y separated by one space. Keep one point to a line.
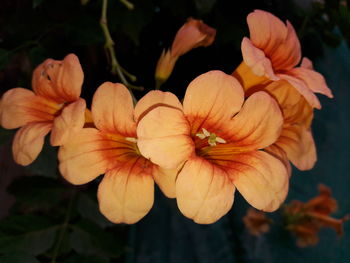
306 219
272 53
194 33
53 106
256 222
295 142
214 141
125 193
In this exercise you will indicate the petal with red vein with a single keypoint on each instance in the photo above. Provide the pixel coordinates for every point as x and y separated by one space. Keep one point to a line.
204 192
261 179
21 106
112 109
28 142
257 125
213 97
126 193
70 121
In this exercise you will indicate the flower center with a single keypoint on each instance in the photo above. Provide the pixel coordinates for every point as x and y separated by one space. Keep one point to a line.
213 139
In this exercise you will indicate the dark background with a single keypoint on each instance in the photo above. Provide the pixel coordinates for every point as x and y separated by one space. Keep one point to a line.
36 204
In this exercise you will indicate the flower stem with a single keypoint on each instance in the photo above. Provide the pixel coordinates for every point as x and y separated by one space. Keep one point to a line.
64 227
109 47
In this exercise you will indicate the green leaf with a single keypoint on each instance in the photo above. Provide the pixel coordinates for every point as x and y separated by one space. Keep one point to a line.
37 192
88 209
18 258
89 239
30 234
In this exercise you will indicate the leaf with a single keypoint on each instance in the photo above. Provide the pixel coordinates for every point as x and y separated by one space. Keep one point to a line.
89 239
88 209
31 234
37 192
18 258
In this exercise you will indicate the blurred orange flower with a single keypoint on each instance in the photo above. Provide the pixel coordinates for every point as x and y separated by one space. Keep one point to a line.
126 192
216 149
194 33
272 53
306 219
256 222
53 105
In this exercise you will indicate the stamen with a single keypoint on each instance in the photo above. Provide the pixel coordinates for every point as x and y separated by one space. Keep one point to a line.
131 139
205 132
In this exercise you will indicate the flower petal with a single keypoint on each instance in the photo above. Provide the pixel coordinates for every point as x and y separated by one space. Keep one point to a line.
314 80
298 143
85 156
21 106
163 137
165 179
70 121
154 99
126 194
280 154
204 192
112 109
28 142
301 86
267 32
256 59
257 125
260 178
213 97
60 81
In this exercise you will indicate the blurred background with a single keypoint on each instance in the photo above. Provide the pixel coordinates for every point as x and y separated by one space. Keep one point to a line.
45 219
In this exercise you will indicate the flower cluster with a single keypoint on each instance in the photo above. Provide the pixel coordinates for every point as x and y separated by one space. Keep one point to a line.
231 132
305 220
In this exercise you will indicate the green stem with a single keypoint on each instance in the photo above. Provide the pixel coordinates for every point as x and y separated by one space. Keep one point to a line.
64 227
128 4
109 46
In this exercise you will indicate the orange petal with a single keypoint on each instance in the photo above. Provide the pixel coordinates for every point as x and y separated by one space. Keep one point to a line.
257 125
28 142
298 143
248 79
60 81
288 54
256 59
314 80
194 33
85 156
280 154
204 192
21 106
163 137
302 87
267 32
260 178
306 63
70 121
112 109
165 66
165 179
126 194
154 99
213 97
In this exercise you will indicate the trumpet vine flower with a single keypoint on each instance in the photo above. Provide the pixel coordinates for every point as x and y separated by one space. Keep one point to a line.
215 141
53 105
126 191
272 53
194 33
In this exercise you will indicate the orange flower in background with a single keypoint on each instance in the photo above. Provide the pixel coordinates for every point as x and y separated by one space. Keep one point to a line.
214 141
306 219
126 192
194 33
273 53
256 222
53 105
